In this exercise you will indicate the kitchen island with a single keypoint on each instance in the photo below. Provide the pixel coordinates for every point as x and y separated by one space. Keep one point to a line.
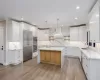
51 55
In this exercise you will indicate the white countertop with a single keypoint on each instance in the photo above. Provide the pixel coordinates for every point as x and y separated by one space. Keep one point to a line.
91 54
51 48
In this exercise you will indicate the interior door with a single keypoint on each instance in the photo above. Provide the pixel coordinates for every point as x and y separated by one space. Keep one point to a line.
1 44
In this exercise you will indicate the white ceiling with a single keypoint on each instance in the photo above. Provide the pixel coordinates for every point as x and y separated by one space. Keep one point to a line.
38 11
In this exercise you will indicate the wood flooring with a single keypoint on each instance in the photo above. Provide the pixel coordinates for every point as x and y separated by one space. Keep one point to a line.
30 70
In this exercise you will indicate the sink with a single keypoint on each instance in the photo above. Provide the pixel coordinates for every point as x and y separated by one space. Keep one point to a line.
85 48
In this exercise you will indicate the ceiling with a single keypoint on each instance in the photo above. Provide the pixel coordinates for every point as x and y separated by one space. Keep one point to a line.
39 11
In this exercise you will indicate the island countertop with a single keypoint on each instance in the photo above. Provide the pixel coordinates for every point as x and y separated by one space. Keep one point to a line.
51 48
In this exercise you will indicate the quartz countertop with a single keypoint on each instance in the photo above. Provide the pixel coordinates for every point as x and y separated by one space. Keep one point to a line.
51 48
91 54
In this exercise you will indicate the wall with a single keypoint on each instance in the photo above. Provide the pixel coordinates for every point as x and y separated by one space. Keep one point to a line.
43 39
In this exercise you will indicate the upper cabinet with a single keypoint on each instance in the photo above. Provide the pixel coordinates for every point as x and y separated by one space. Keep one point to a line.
74 34
34 30
30 28
13 31
42 35
78 33
94 23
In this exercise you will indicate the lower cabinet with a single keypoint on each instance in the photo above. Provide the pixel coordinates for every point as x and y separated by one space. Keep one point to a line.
51 57
73 52
91 67
14 57
85 65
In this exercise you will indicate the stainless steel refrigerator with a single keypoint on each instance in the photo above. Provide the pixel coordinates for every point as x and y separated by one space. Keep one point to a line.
27 45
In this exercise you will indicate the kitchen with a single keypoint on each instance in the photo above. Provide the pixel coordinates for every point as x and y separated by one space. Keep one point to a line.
53 52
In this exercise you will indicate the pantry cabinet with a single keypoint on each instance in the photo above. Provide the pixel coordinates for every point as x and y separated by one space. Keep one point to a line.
94 23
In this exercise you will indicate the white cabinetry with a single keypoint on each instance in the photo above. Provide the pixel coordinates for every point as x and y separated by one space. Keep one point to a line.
15 57
78 33
82 33
73 52
14 35
74 34
30 28
13 31
34 30
91 67
42 36
94 24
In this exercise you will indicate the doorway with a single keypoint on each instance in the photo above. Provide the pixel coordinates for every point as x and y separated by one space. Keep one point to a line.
1 43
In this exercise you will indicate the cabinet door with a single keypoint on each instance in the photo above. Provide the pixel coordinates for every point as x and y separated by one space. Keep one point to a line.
47 56
94 25
15 31
74 34
58 57
42 56
53 57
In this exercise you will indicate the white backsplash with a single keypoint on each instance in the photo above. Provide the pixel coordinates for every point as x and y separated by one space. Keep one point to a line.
62 43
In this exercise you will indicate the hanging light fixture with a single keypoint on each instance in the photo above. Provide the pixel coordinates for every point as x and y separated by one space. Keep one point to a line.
58 33
46 31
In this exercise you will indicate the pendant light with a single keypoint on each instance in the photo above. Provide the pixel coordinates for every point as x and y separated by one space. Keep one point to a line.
46 31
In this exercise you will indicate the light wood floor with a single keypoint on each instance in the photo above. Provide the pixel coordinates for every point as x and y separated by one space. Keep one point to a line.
30 70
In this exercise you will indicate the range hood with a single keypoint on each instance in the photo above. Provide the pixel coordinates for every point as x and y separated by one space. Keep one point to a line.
58 34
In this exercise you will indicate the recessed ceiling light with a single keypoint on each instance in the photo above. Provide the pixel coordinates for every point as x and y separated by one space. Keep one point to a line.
78 7
97 15
22 18
76 18
62 25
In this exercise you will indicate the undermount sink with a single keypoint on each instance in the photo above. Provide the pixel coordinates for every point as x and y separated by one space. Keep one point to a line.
85 48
